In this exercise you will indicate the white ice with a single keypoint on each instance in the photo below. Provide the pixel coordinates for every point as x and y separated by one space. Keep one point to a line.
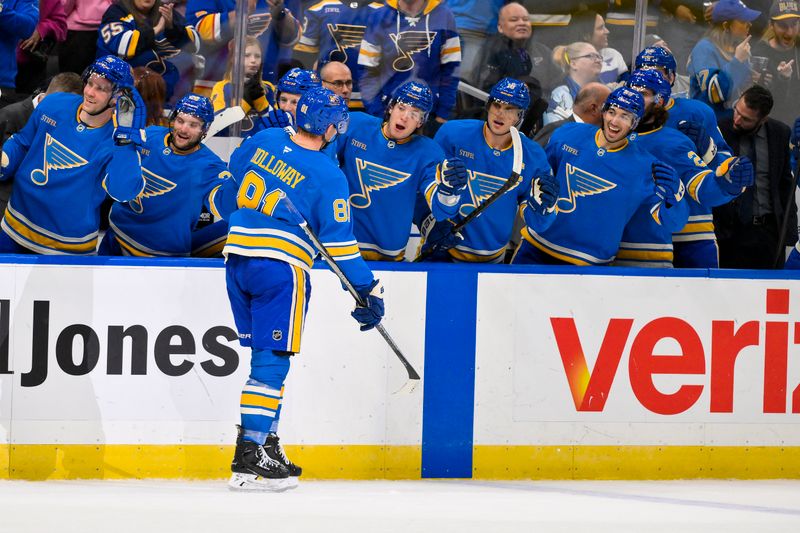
463 506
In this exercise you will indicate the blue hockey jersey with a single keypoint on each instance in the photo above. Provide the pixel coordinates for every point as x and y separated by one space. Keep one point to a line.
487 236
600 190
384 178
398 48
62 170
269 166
696 111
159 222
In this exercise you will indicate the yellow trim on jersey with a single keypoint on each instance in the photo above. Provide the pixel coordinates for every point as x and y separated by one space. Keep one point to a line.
307 48
644 255
575 261
131 250
36 236
695 184
342 250
298 308
372 255
368 53
257 400
268 242
468 257
697 227
205 25
131 51
323 3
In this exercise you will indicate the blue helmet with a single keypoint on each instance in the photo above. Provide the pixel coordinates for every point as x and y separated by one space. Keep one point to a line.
656 57
112 68
197 106
652 80
298 81
414 93
318 108
512 92
628 100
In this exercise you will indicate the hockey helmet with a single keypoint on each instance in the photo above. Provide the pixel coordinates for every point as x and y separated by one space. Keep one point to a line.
112 68
416 94
298 81
196 106
318 108
652 80
512 92
628 100
656 57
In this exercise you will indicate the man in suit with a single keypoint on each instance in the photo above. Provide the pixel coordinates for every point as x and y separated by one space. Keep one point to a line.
754 230
588 107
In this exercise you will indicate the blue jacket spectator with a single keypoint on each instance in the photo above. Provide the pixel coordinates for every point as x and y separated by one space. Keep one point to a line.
18 19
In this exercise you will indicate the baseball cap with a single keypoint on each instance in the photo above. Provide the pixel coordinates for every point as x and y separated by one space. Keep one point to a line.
726 10
784 9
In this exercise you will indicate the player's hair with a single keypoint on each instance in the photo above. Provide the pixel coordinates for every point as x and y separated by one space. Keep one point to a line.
65 82
760 99
153 90
249 41
142 19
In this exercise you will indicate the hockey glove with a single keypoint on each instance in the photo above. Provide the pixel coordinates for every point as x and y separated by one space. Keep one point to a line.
699 136
544 194
669 187
277 118
795 140
370 315
130 118
253 91
453 181
735 174
438 235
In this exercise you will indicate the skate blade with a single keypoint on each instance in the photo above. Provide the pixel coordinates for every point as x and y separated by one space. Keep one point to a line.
293 482
408 387
252 482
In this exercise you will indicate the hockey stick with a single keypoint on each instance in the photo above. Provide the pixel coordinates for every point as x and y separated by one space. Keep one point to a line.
223 119
473 91
413 376
516 170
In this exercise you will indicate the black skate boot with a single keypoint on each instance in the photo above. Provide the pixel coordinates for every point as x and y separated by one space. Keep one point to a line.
253 469
275 451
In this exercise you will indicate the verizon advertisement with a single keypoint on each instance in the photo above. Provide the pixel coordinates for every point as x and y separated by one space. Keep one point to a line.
590 357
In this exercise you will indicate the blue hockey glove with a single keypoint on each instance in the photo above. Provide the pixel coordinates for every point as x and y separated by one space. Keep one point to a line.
735 174
130 118
697 133
544 194
370 315
277 118
438 235
453 180
669 187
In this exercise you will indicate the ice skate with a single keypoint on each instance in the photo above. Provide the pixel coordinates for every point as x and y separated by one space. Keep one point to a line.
274 451
253 470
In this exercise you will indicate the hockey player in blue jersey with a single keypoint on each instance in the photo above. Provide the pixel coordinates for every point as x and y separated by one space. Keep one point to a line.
269 259
68 157
159 222
485 148
290 88
388 165
645 243
604 179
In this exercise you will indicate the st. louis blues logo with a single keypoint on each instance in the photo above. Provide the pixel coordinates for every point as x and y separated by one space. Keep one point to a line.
154 185
581 183
481 186
56 157
373 178
409 43
258 23
345 36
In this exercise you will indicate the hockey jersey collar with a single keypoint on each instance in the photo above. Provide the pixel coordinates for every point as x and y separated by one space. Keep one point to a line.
429 6
79 121
486 140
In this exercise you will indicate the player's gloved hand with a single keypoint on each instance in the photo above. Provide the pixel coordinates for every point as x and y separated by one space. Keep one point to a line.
544 194
253 90
669 186
370 315
697 133
735 174
438 235
453 180
278 118
130 118
796 135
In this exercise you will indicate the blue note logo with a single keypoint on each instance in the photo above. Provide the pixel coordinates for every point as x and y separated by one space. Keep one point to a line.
56 157
482 186
581 183
345 36
154 185
374 178
409 43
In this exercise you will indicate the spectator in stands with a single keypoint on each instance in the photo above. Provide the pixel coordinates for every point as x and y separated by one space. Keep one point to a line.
754 229
476 21
257 95
581 63
337 77
147 33
590 27
332 32
271 21
779 70
17 21
725 48
683 27
408 40
153 91
33 51
512 52
588 108
80 47
14 116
